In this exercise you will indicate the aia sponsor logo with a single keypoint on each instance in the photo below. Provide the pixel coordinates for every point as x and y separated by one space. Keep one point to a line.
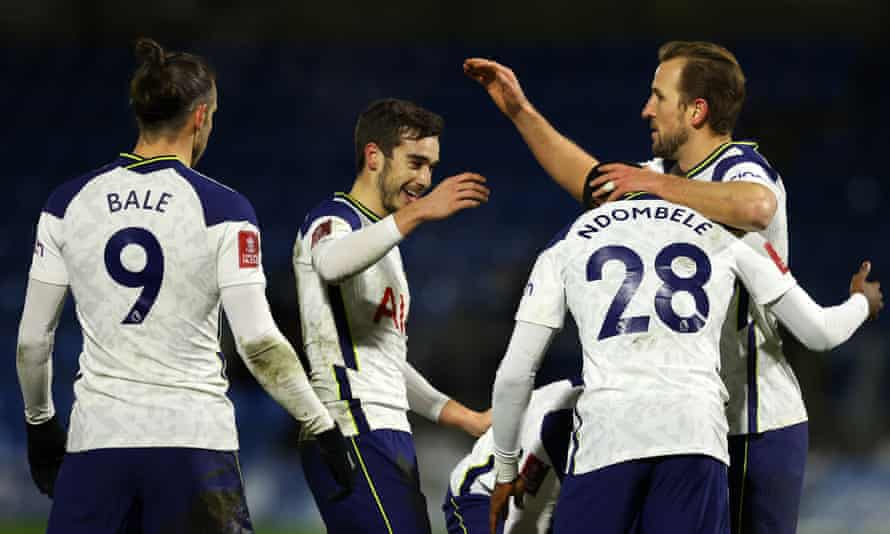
248 249
387 308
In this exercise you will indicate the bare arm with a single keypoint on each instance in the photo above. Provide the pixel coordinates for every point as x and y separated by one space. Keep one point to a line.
426 400
744 205
563 160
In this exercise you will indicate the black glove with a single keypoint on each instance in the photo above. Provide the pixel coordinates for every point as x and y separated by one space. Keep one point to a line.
339 459
46 450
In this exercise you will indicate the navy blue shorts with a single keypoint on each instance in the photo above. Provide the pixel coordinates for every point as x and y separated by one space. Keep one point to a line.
685 494
766 480
386 498
149 491
467 514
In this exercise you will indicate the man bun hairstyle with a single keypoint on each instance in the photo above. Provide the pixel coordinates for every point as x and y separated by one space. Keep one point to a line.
167 86
387 121
713 73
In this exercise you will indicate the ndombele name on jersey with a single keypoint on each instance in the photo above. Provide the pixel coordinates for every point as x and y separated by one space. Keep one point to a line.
146 200
682 216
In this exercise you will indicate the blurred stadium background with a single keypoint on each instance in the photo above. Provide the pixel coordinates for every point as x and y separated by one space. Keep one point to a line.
293 77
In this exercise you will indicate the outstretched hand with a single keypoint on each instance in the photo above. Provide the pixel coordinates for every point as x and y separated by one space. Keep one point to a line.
871 290
501 83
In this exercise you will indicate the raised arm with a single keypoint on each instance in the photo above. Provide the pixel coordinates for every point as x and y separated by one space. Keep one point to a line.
338 252
563 160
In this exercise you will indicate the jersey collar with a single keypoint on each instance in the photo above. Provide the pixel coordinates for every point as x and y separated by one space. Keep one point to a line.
361 208
136 163
713 156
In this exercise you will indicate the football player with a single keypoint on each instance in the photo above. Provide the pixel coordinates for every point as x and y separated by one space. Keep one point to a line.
149 249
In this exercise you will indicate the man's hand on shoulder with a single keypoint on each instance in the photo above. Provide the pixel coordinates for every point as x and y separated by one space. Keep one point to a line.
617 179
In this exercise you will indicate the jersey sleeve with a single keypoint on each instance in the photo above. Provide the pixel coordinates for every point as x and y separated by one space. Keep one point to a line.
544 300
326 229
760 269
47 264
751 171
239 259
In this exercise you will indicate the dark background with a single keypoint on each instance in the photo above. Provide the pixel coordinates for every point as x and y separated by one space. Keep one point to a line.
292 79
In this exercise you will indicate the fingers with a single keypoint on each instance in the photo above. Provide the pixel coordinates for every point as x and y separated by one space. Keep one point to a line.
517 500
865 268
494 516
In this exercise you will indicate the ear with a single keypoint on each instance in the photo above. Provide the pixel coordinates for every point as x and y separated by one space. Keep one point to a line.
200 116
700 110
373 157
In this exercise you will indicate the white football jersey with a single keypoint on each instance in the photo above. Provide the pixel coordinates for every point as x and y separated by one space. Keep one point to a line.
649 285
544 435
145 246
354 331
764 393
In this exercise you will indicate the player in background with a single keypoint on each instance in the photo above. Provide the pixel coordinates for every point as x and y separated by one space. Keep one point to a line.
150 248
544 442
696 96
354 306
649 284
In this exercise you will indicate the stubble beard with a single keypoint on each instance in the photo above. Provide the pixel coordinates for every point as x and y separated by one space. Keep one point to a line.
388 198
668 145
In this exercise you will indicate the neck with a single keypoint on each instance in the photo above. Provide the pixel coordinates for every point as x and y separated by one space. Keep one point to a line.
365 190
180 146
698 148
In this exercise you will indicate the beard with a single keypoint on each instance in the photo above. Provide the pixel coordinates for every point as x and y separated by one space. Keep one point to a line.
389 193
667 145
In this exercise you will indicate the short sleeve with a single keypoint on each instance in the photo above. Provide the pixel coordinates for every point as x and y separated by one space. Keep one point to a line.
239 259
751 171
47 264
544 300
325 229
761 270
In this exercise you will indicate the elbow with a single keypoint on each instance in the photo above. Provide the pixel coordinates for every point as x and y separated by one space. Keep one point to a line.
759 210
327 273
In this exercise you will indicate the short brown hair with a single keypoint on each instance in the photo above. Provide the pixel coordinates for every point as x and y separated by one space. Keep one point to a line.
386 122
713 73
166 86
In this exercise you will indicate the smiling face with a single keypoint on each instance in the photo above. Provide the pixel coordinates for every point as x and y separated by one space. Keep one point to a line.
665 111
408 173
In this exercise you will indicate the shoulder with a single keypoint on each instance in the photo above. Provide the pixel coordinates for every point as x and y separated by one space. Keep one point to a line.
742 161
61 196
220 202
333 206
